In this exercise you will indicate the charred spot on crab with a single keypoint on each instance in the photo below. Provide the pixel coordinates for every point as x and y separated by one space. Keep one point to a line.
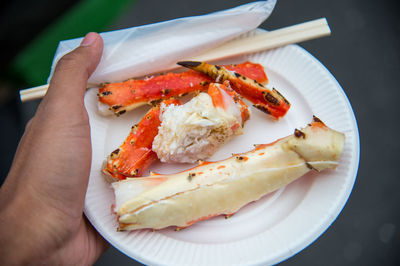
154 102
204 83
148 117
270 98
299 134
121 112
240 158
114 154
183 94
190 176
309 166
262 108
227 216
280 95
317 120
135 172
115 107
218 67
166 91
104 93
134 128
239 76
133 91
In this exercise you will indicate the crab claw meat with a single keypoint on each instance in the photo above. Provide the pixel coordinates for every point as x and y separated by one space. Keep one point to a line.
223 187
195 130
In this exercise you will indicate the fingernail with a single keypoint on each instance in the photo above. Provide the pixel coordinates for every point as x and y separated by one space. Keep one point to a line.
89 39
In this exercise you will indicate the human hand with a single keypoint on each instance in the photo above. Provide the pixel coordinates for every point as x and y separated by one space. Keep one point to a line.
42 199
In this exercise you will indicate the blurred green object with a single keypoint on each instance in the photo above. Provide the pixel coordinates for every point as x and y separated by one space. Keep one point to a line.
32 65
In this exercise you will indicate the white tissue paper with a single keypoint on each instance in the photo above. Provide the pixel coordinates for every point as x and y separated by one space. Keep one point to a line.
139 51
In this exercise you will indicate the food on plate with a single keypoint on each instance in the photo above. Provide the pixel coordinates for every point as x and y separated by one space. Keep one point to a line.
187 132
223 187
195 130
135 155
264 99
124 96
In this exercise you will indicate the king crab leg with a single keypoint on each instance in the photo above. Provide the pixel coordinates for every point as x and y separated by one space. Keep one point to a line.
124 96
135 155
264 99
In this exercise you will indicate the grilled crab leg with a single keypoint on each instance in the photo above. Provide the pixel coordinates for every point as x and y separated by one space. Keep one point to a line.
223 187
266 100
124 96
135 155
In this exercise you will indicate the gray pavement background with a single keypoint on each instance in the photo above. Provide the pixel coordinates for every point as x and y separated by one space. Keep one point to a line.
363 54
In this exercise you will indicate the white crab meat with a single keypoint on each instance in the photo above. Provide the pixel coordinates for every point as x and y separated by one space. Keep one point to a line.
225 186
195 130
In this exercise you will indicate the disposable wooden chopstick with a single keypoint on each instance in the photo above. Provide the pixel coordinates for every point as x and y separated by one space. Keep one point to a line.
260 41
268 40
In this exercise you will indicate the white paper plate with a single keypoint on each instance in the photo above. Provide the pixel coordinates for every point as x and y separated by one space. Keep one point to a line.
269 230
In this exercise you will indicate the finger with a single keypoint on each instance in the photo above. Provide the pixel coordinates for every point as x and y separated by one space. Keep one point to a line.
74 69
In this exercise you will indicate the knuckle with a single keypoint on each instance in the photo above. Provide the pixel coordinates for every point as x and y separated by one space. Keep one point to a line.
73 61
68 61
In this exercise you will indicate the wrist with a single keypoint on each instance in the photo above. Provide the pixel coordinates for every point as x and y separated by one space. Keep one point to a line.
19 235
11 252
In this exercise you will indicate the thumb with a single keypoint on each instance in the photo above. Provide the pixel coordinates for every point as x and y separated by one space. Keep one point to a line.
74 69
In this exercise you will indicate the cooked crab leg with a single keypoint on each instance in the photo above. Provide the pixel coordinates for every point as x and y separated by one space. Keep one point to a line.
124 96
223 187
135 155
268 101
